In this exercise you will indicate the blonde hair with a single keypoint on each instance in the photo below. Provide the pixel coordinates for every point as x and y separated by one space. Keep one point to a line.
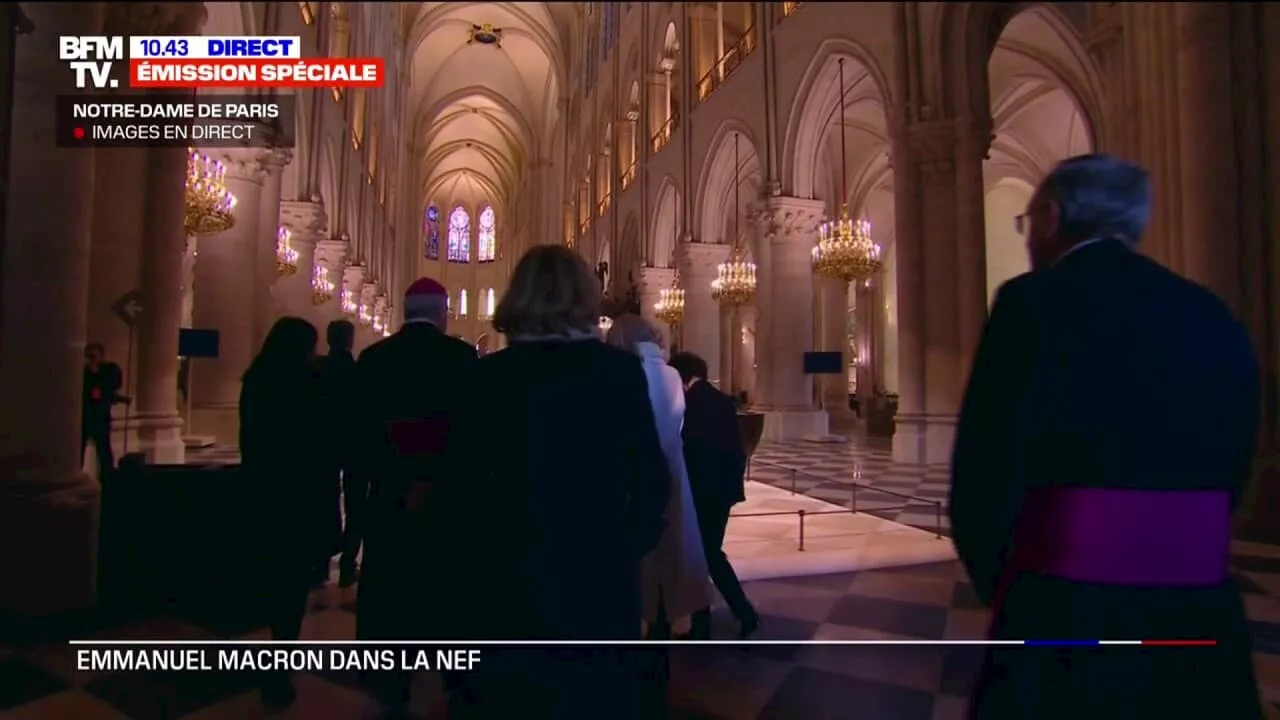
552 292
629 330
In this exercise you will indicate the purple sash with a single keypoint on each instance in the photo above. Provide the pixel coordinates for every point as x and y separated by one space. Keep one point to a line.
1137 538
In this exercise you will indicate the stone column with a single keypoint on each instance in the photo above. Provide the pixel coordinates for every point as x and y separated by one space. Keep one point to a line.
48 507
833 303
787 231
307 222
653 281
867 312
226 279
699 263
167 269
266 304
330 255
1209 195
728 361
932 356
118 217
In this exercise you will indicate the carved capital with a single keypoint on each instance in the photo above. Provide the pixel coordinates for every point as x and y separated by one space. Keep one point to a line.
785 220
329 254
247 164
933 149
653 280
701 259
353 279
306 220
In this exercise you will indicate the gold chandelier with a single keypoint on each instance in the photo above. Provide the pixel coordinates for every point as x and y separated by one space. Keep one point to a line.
349 304
365 314
286 256
845 250
735 282
378 320
670 306
321 286
386 322
209 204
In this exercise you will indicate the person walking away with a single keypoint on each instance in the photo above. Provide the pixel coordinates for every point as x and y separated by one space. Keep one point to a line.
674 576
557 450
337 374
717 462
280 401
1078 523
102 383
407 387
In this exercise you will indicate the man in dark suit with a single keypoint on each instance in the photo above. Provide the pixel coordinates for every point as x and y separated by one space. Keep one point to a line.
1091 492
103 380
337 377
717 463
407 387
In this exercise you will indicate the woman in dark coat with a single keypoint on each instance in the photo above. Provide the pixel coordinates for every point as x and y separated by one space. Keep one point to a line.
280 403
558 489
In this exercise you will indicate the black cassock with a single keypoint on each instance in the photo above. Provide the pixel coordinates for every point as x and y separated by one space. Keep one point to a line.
1106 434
407 388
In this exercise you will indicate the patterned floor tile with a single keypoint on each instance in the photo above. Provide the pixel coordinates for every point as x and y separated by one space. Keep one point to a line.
900 618
66 705
165 696
23 683
921 590
808 694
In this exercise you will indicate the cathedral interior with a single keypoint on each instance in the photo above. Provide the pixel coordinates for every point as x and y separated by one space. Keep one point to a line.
665 142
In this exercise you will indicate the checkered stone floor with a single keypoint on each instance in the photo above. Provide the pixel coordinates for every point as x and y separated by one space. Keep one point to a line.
860 474
768 682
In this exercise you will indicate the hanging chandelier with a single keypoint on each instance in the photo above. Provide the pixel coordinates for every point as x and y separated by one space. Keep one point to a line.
735 282
321 286
364 313
845 250
386 322
286 256
670 306
209 204
349 305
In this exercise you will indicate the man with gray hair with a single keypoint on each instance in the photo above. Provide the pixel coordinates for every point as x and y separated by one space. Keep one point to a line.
1105 437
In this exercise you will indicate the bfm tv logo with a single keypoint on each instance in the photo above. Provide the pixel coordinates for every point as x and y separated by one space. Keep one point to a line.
90 58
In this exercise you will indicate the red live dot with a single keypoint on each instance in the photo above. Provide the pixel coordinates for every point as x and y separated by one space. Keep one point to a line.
78 133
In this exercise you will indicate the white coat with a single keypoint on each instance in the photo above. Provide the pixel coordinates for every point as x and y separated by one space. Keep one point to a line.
675 578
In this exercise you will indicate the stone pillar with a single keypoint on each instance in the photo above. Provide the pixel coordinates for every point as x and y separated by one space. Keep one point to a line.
728 360
330 255
48 507
1209 195
699 263
867 312
226 299
167 269
787 231
653 281
118 216
307 222
266 306
938 288
833 304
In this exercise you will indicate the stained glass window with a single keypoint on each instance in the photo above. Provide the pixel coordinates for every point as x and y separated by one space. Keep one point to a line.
459 235
488 248
431 233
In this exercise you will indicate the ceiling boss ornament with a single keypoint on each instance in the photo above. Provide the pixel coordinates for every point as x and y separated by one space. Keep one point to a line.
485 34
209 204
845 250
